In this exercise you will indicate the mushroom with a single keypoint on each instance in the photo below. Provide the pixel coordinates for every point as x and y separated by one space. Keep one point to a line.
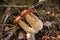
36 25
34 21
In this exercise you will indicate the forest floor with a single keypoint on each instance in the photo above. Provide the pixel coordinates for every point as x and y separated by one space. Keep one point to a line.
48 13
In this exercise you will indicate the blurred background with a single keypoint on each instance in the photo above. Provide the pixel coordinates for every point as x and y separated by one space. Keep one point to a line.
48 12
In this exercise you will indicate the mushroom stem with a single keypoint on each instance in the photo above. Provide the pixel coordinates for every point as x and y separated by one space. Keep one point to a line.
30 36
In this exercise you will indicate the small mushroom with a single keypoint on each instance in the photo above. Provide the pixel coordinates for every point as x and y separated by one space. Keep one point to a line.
34 21
36 25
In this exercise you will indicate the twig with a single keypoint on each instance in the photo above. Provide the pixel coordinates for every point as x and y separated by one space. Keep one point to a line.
11 33
6 25
13 6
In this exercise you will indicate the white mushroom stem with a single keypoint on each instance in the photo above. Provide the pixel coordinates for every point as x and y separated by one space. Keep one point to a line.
30 36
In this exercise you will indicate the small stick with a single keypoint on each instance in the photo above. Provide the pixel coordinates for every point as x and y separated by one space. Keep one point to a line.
14 6
11 33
